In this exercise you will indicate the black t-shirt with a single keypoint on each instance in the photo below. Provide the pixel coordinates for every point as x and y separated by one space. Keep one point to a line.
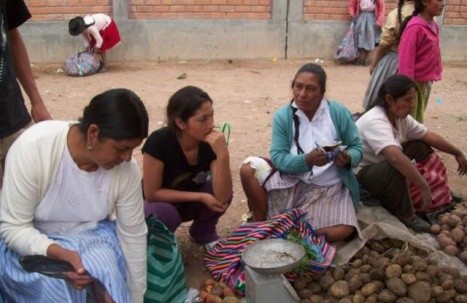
13 112
163 145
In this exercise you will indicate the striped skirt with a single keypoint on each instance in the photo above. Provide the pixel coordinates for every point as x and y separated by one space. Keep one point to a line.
367 33
324 206
386 67
100 253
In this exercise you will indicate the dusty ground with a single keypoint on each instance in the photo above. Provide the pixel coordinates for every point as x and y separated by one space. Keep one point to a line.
245 94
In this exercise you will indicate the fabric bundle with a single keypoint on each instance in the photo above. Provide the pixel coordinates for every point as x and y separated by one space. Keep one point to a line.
224 260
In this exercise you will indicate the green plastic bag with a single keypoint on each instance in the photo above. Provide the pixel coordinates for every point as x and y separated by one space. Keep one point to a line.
166 274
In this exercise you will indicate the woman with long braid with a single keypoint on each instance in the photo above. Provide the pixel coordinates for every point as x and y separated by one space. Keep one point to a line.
385 61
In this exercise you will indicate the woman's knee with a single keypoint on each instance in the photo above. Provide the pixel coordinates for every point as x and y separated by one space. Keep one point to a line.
165 212
246 172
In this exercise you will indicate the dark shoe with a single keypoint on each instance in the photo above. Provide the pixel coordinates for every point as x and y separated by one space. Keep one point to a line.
418 224
456 198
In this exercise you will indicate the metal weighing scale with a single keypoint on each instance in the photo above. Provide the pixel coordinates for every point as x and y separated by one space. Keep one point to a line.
265 263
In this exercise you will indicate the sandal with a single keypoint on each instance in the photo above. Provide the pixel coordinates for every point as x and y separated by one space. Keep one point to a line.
418 224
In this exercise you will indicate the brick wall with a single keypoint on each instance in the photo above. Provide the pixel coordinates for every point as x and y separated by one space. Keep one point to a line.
335 10
200 9
456 13
56 10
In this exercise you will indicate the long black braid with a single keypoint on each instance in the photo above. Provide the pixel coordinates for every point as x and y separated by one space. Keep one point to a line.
400 4
419 7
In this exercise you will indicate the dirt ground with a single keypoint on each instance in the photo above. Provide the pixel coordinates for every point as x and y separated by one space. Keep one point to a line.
245 94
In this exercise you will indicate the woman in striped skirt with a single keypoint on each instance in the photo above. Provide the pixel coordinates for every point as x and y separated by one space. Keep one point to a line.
303 173
72 192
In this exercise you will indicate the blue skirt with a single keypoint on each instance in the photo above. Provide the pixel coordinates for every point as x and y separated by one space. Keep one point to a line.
100 253
367 32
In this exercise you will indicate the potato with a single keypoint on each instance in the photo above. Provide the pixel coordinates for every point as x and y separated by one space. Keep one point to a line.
435 228
397 286
436 290
393 271
461 299
228 292
304 293
338 272
386 296
408 279
445 240
300 283
355 283
446 296
340 289
316 299
457 234
420 291
451 250
369 289
453 220
213 299
463 256
402 259
326 282
460 286
377 274
443 219
230 299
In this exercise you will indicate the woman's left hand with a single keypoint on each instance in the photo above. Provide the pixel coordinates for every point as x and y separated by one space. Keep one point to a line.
462 162
342 159
217 142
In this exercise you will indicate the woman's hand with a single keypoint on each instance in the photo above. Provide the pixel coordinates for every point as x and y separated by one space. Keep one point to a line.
342 159
79 278
316 157
427 199
213 204
462 162
217 142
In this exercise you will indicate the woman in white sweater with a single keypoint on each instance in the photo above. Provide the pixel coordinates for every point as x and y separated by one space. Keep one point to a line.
72 192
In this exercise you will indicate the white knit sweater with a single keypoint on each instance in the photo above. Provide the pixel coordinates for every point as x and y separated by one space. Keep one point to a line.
31 164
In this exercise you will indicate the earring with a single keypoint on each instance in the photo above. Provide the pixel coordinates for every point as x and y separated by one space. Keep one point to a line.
89 147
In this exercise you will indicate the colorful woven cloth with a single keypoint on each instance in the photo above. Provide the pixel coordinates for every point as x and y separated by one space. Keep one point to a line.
224 260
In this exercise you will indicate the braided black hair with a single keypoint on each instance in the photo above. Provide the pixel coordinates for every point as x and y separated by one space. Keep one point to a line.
419 7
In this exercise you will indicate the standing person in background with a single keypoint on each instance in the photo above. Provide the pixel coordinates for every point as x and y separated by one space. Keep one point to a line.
385 61
14 116
186 167
369 17
100 33
419 51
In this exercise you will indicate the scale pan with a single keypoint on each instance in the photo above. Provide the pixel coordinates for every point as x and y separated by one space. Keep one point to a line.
273 256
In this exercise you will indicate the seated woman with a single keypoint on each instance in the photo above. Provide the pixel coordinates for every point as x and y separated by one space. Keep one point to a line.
308 177
186 169
72 192
391 140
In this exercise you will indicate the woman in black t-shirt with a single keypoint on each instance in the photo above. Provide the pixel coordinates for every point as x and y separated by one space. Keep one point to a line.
186 169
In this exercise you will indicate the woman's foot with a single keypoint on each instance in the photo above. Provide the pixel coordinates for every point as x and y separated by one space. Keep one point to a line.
416 223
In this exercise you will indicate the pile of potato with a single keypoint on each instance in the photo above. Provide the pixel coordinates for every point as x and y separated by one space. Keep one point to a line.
385 271
452 232
217 292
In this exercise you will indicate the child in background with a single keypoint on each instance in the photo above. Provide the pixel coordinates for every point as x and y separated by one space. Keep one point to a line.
100 33
369 17
419 51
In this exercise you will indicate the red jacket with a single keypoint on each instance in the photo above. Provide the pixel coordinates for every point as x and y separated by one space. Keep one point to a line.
354 10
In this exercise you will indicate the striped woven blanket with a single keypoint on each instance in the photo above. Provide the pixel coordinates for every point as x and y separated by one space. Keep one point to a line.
224 263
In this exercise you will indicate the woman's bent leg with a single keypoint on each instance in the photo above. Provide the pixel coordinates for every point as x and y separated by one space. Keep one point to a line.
165 212
256 195
388 185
